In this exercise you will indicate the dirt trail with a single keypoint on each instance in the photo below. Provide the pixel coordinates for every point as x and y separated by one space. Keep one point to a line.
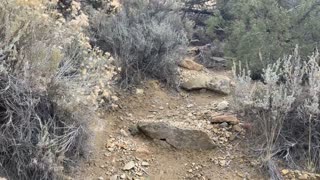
115 148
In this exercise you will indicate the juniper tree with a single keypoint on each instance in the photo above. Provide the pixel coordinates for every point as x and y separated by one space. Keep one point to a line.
255 29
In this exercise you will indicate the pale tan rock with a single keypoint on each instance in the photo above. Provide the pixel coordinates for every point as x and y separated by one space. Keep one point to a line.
130 165
223 105
143 150
285 171
237 128
190 64
225 118
139 91
303 177
217 83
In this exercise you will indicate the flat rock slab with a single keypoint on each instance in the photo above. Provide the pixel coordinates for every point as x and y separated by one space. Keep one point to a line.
217 83
176 137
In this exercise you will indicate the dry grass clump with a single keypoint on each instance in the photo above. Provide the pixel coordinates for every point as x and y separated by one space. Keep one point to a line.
284 111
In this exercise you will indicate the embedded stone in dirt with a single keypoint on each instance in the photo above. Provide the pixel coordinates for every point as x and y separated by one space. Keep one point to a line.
143 150
217 83
190 64
237 128
115 177
285 171
145 163
223 105
224 125
130 165
176 137
225 118
139 91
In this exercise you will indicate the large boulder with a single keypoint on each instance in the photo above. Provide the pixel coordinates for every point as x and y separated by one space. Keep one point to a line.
176 137
217 83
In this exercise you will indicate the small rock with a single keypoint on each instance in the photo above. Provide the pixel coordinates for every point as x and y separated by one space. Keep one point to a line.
130 165
114 98
190 170
215 130
224 125
241 175
223 105
100 178
139 91
254 163
237 128
222 163
142 150
145 163
225 118
150 116
123 176
190 105
114 177
124 133
285 171
232 137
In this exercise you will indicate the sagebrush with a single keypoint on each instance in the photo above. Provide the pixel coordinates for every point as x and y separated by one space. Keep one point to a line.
147 37
43 122
284 111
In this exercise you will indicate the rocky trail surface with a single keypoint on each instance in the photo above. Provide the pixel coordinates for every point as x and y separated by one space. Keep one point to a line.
160 134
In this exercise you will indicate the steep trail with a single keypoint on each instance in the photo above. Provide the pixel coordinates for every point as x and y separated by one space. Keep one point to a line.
119 155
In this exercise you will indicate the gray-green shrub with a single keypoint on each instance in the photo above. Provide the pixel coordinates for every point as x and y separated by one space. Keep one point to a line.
284 112
40 138
147 37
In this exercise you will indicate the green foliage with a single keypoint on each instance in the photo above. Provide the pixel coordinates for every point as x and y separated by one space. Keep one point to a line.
254 29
